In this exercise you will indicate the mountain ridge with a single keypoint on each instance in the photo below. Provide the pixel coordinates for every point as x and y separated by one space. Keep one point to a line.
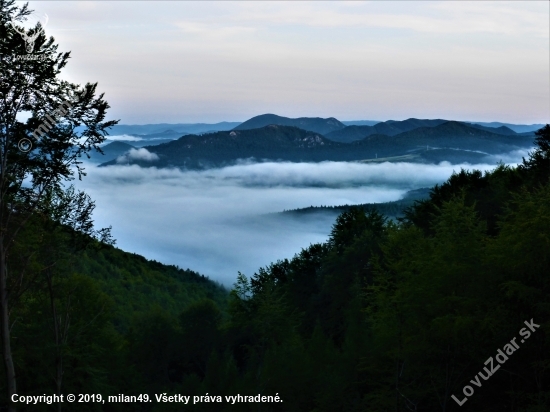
153 128
395 127
312 124
290 143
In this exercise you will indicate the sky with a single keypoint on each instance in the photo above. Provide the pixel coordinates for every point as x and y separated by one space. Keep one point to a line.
188 62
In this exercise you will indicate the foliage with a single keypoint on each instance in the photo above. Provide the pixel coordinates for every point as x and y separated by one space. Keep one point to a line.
386 315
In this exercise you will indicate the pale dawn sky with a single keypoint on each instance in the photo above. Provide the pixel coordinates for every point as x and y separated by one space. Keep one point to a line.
186 62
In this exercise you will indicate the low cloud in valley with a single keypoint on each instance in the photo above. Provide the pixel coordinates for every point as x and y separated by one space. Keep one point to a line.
215 221
141 154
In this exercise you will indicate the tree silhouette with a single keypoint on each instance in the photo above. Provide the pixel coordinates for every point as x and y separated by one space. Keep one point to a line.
37 156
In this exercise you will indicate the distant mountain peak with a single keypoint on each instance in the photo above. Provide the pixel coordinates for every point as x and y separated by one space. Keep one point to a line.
312 124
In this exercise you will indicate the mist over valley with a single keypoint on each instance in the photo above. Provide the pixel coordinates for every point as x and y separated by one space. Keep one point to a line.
225 219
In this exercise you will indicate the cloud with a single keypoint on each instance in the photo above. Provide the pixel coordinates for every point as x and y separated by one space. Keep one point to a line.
137 154
216 221
329 175
512 158
213 61
213 31
125 137
437 17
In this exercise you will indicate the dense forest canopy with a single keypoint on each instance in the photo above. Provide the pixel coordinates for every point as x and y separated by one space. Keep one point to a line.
386 315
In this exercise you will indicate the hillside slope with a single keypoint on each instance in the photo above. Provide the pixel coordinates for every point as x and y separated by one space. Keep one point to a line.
183 128
312 124
286 143
137 285
389 128
392 209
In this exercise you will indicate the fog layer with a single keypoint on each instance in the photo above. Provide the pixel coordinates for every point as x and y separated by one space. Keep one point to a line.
211 221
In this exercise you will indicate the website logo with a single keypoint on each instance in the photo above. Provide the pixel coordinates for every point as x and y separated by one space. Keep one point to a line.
29 39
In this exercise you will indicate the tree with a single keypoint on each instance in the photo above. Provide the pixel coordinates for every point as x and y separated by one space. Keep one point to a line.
537 166
36 156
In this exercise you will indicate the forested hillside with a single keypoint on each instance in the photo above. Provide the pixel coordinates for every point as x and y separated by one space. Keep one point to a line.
91 314
385 316
392 209
136 284
311 124
388 128
453 141
398 317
